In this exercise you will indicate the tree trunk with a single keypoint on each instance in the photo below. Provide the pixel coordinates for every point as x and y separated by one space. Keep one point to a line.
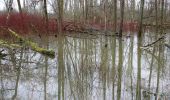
86 10
162 12
115 15
60 15
132 10
120 66
46 15
9 9
19 6
121 17
141 18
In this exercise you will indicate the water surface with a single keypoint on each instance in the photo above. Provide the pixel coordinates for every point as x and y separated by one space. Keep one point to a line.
88 67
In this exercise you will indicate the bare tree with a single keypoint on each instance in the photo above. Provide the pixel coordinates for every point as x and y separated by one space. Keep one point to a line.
115 15
19 6
60 15
46 14
121 17
141 17
8 4
86 10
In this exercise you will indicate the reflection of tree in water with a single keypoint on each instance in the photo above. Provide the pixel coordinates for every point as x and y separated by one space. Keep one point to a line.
88 71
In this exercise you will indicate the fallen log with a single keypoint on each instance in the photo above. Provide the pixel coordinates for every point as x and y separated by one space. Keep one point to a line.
9 45
33 46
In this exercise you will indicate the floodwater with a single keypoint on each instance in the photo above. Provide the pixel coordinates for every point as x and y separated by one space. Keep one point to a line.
88 67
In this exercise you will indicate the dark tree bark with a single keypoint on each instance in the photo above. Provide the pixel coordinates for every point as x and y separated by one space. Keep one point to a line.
60 15
141 18
46 15
115 15
122 3
19 6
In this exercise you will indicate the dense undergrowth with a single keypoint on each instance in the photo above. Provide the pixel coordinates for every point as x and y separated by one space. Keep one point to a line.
34 23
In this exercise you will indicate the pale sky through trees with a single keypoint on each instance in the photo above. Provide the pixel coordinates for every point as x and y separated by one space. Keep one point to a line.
2 4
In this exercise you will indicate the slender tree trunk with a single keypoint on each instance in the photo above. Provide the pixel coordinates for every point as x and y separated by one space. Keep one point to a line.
46 71
60 15
45 78
105 13
21 14
131 64
138 86
115 15
18 74
19 6
24 4
113 47
120 66
151 70
162 12
156 14
165 10
133 10
158 73
91 9
160 55
46 15
86 10
121 17
9 5
9 9
2 82
154 49
82 9
141 18
61 68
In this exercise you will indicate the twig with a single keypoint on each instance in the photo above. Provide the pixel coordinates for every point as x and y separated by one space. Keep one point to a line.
159 39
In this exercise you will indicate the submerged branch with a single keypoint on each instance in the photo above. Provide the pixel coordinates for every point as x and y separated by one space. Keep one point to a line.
154 42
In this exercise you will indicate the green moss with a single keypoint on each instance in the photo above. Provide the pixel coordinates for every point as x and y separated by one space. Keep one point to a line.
33 45
9 45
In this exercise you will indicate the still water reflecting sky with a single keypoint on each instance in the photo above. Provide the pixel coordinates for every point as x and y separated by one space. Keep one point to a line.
88 67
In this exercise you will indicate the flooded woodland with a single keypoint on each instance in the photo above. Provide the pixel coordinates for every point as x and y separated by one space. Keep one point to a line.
85 50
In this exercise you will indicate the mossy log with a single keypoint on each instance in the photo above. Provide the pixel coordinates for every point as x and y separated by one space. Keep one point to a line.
9 45
33 46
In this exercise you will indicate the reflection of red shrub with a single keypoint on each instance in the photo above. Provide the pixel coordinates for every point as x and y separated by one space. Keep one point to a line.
36 23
